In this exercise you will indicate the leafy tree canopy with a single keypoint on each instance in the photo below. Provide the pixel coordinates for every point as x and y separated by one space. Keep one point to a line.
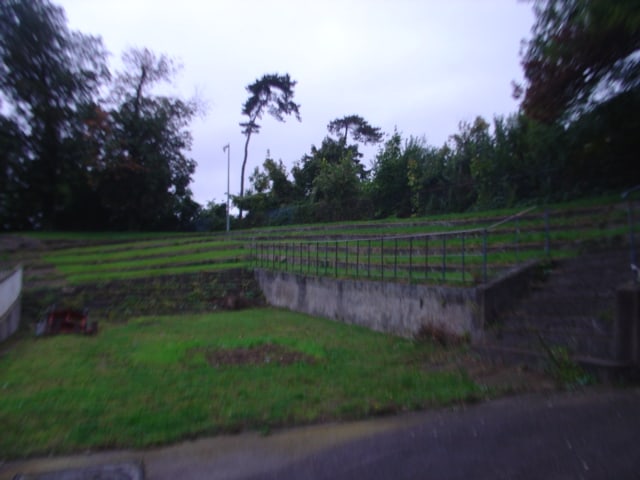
70 159
146 148
582 52
361 130
332 152
47 75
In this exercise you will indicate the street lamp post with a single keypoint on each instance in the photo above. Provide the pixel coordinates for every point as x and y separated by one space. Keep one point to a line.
227 149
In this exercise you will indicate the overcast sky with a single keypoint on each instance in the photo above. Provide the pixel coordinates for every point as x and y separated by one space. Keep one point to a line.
422 66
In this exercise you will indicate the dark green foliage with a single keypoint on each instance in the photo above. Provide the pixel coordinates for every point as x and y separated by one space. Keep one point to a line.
271 193
390 183
332 152
12 175
47 73
582 52
144 151
212 218
70 161
603 144
336 190
360 129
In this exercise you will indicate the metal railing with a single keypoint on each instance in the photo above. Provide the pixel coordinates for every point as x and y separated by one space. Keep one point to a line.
460 257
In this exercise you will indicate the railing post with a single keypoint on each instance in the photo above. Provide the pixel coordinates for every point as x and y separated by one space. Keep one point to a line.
444 257
326 257
517 240
395 260
463 257
426 258
346 258
547 238
484 256
317 259
336 263
369 258
286 257
357 258
382 258
410 259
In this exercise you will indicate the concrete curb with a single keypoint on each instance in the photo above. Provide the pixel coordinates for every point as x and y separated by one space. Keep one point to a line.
121 471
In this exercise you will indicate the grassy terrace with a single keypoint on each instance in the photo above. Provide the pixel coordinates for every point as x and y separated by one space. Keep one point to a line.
103 257
83 258
453 251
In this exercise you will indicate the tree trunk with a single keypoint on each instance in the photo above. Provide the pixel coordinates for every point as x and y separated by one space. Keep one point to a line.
244 164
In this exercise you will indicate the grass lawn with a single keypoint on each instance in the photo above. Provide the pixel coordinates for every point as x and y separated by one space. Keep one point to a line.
152 380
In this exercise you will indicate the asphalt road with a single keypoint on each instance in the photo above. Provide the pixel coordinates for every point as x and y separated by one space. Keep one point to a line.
594 434
560 437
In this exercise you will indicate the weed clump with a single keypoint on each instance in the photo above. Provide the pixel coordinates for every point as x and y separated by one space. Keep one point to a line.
439 336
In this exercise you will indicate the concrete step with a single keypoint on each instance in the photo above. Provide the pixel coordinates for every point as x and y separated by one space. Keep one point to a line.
599 324
576 331
575 340
574 308
570 306
602 369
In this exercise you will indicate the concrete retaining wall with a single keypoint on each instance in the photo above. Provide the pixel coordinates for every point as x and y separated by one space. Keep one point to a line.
399 309
10 293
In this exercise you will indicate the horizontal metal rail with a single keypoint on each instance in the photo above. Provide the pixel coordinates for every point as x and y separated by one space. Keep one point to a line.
460 256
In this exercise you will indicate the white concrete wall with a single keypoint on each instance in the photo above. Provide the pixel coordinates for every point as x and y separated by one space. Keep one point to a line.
10 290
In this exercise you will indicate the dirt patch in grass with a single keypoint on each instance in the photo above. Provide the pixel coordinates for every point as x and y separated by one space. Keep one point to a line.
268 353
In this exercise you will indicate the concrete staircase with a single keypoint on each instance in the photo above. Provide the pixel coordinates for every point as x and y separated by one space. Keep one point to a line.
574 308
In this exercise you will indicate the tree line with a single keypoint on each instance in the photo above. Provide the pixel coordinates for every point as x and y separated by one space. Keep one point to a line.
576 134
514 160
82 147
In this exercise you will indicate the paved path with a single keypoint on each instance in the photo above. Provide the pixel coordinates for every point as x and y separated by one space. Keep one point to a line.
585 435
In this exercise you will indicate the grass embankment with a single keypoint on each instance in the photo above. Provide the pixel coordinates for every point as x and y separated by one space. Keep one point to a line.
106 257
149 381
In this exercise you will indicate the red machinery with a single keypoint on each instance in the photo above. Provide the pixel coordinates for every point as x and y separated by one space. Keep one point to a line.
68 320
